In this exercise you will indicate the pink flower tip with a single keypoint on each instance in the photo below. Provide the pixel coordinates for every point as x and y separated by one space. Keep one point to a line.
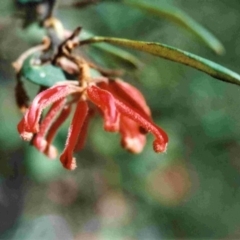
68 163
43 146
51 152
133 145
159 146
111 126
40 143
25 135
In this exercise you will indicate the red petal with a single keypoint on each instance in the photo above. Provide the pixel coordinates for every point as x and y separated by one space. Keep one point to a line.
160 143
49 150
105 101
83 134
41 101
75 128
39 142
132 139
127 94
25 135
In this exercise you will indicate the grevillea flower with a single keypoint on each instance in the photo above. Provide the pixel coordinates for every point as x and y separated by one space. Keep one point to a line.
122 106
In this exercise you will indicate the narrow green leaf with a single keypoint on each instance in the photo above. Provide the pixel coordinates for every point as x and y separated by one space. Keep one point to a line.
176 15
164 51
29 1
45 75
118 52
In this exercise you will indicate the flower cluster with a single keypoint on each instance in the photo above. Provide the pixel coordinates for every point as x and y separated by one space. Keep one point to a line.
122 106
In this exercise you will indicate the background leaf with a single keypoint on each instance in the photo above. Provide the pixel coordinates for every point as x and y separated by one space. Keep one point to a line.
118 52
167 10
162 50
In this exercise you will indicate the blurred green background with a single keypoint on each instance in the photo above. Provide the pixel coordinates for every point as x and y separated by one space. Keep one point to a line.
190 192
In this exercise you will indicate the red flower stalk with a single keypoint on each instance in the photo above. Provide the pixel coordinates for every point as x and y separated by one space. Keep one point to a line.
123 108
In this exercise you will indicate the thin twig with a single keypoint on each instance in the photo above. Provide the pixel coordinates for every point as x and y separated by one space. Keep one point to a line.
17 65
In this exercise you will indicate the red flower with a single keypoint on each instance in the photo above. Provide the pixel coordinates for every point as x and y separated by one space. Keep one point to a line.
123 108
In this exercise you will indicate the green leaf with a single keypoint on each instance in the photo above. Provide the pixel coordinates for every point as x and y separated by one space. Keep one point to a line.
178 16
45 75
29 1
164 51
123 55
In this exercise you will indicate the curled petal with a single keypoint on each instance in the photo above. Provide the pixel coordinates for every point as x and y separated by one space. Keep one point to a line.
25 135
39 141
105 101
50 150
127 94
161 138
132 139
29 123
83 133
80 114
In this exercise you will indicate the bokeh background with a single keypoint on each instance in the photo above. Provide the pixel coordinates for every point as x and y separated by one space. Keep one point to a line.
190 192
